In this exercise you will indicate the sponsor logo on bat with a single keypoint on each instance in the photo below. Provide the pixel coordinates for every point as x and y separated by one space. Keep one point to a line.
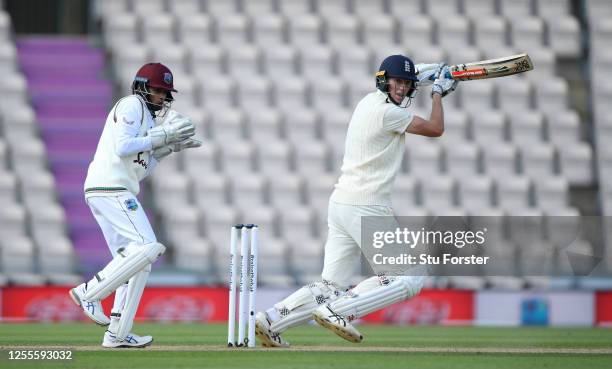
469 73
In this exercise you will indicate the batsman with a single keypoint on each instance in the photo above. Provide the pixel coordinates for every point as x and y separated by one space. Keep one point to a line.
129 149
374 149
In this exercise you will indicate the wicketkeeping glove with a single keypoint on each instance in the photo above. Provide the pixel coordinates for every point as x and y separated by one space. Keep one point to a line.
161 152
171 132
186 144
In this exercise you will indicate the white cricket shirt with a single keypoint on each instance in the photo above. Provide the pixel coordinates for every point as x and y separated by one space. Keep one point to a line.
123 157
374 149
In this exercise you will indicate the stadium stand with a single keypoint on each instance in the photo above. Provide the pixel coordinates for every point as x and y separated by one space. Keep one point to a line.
272 84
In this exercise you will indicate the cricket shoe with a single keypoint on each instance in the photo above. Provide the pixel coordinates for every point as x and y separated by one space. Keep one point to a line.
93 309
131 341
267 337
338 324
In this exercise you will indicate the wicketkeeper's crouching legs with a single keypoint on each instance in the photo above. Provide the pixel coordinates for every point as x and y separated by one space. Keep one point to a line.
132 264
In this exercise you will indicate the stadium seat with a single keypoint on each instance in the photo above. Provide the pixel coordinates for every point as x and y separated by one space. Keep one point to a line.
204 160
488 127
328 94
453 32
368 8
526 127
551 194
514 95
455 127
195 30
269 30
416 34
275 158
258 8
499 160
442 8
477 97
564 36
404 194
186 8
331 7
301 126
438 193
193 254
306 30
216 222
280 62
413 7
320 189
175 190
238 158
148 8
576 164
287 191
221 8
316 62
290 94
527 32
210 191
264 125
158 29
424 159
475 193
360 61
538 161
228 125
254 93
514 193
17 254
480 10
218 93
244 62
312 157
342 30
461 160
248 191
552 8
516 8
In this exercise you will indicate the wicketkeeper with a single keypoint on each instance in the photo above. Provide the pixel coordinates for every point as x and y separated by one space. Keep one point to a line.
130 147
373 154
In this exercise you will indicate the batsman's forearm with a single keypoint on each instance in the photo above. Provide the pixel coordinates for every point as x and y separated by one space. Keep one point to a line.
436 118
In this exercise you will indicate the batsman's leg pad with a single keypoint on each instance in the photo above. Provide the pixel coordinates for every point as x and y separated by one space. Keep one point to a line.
298 307
135 288
124 266
366 298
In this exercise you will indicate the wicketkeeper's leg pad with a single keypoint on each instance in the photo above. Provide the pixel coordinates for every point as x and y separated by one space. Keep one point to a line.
124 266
135 288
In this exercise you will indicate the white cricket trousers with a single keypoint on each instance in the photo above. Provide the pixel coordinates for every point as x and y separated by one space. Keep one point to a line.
123 221
343 246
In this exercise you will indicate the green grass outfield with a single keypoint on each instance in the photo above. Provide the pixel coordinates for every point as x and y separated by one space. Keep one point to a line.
202 346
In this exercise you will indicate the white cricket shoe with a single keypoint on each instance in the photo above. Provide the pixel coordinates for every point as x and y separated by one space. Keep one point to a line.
131 341
338 324
265 334
93 309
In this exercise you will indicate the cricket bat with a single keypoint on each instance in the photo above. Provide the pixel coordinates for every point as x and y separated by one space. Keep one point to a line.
492 68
